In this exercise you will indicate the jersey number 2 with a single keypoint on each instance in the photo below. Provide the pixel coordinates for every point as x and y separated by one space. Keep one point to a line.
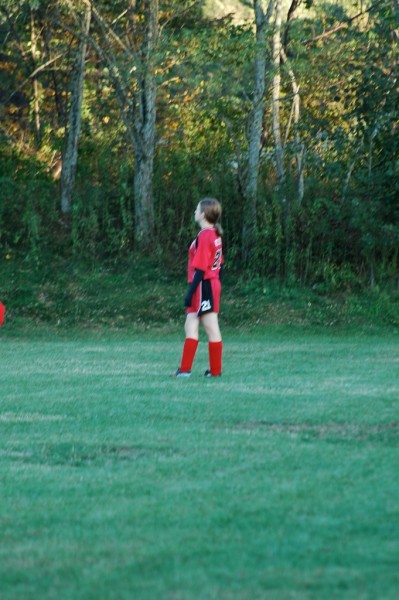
217 261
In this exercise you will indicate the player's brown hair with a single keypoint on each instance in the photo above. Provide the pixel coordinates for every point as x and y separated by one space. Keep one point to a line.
212 211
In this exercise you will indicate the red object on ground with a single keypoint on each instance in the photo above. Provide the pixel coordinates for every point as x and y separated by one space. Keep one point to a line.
2 313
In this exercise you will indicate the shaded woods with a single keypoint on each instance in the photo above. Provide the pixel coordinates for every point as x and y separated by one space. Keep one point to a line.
115 120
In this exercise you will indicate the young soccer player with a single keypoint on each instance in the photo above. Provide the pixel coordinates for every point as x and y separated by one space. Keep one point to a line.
202 301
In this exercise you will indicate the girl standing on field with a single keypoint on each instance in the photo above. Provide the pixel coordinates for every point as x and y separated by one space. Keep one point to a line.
202 301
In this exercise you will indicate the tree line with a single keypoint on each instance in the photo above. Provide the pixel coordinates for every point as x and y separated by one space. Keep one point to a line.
116 119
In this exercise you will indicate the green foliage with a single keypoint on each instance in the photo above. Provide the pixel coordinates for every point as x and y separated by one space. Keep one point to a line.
139 293
28 212
343 234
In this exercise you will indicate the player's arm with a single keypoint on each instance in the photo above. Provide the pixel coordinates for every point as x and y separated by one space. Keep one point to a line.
198 276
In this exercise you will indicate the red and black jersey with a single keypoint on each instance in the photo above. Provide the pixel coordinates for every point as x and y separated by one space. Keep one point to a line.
205 254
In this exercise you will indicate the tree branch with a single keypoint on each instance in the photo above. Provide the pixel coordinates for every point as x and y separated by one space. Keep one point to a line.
33 74
342 25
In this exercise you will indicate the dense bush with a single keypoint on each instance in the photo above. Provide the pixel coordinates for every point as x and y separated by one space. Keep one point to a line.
343 233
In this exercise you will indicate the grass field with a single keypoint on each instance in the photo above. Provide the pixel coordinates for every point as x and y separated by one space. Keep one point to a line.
279 480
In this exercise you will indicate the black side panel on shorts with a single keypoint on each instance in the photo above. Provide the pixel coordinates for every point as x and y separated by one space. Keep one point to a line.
206 297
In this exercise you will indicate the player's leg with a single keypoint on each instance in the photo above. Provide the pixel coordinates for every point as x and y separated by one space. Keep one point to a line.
191 329
191 326
210 322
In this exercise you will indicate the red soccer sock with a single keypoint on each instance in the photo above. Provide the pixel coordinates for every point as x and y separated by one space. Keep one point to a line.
189 350
215 357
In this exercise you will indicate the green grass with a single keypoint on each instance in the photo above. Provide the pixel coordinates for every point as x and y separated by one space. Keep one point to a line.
278 481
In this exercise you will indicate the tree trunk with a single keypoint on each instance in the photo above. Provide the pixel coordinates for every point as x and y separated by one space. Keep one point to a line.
143 204
133 76
278 147
299 146
36 102
350 170
144 118
70 157
255 132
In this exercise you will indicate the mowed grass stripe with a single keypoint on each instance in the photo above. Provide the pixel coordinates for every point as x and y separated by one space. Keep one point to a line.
278 480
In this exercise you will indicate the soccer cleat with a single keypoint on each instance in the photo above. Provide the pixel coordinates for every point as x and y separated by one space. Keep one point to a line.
208 373
180 373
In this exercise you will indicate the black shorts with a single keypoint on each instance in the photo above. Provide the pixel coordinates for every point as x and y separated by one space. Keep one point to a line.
206 297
